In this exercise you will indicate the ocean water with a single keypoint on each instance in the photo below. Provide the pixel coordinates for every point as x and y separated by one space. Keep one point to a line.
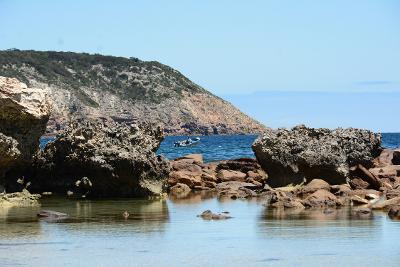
224 147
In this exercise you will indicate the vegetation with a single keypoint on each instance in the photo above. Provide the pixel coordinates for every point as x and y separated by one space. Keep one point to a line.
129 77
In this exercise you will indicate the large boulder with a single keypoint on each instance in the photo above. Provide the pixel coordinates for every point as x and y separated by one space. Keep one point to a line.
119 160
24 113
299 154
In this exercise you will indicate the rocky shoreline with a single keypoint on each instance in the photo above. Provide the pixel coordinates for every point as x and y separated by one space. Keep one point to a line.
298 168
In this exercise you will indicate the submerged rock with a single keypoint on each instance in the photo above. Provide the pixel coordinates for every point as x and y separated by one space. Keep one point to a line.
209 215
118 160
24 113
292 156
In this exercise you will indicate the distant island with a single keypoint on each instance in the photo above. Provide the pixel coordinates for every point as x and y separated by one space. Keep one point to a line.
82 85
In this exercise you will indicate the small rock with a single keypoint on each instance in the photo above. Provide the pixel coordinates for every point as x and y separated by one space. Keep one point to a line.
209 215
394 213
179 189
357 200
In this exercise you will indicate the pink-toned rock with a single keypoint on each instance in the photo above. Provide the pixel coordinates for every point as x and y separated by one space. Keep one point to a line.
341 189
315 185
209 184
251 180
184 177
228 175
321 198
386 203
185 166
208 177
386 157
390 171
193 158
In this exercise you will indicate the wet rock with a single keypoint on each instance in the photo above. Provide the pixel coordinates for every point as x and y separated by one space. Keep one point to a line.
180 190
235 190
209 215
120 160
321 198
394 212
52 215
362 212
290 156
229 175
281 199
242 164
24 113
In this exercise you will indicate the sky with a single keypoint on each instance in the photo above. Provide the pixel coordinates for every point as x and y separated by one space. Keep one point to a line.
322 63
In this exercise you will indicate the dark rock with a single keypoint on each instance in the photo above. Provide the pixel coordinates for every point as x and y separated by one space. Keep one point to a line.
119 159
396 157
358 183
52 215
394 212
209 215
290 156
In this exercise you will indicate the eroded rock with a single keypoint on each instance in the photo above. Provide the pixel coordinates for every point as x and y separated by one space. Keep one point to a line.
292 156
119 159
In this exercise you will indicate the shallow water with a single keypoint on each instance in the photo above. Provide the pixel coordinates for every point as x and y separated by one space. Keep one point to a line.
168 233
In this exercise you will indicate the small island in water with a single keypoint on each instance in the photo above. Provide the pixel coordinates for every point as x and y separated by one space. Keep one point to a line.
84 164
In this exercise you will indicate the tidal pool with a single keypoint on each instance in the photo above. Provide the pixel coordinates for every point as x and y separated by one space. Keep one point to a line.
168 233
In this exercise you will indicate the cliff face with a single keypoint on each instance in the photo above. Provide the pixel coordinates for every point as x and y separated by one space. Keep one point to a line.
83 85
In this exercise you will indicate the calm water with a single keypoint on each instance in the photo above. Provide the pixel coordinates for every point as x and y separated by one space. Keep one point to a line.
168 233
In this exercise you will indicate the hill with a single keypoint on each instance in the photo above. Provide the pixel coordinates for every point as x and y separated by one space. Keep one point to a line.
124 89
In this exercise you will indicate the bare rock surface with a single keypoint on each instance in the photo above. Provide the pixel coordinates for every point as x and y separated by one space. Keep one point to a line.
24 113
118 159
292 156
209 215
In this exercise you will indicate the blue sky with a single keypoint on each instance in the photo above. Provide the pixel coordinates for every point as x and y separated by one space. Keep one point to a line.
337 54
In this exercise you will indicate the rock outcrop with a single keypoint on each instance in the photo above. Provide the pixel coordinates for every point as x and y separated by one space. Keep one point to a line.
299 154
232 178
103 159
24 113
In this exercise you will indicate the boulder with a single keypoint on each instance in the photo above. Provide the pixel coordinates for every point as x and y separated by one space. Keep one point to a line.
119 160
180 190
24 113
292 156
394 212
185 177
386 203
229 175
321 198
315 185
387 157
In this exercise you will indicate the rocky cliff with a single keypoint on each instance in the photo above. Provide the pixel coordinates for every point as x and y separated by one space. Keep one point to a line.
124 89
24 113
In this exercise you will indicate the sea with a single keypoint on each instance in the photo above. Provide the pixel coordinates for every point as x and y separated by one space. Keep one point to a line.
225 147
168 232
